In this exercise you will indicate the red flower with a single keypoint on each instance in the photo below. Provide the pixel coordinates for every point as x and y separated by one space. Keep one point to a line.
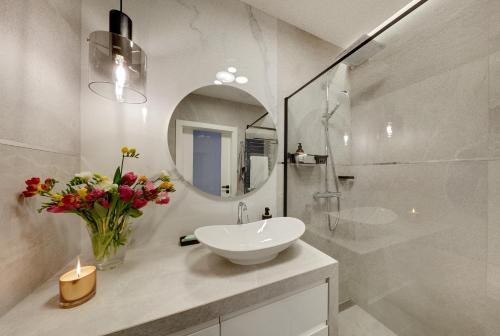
33 181
28 193
56 209
105 203
139 203
95 194
32 188
163 198
128 179
70 201
126 193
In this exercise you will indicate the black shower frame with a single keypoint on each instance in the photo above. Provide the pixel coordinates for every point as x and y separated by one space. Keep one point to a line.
337 62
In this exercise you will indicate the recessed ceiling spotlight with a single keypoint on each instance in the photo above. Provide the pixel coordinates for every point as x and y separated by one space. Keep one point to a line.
241 80
232 69
224 76
217 82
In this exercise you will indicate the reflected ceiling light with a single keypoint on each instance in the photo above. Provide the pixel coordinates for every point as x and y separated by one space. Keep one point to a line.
232 69
388 129
117 64
217 82
225 77
346 139
241 80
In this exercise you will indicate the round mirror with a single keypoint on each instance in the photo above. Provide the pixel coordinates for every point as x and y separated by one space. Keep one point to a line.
223 141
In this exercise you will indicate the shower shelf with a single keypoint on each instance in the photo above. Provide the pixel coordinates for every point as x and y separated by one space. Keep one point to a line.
318 160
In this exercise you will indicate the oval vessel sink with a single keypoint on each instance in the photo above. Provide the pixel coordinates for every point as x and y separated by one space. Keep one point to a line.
252 243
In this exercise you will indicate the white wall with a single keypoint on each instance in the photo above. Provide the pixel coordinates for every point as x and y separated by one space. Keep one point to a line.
187 43
39 136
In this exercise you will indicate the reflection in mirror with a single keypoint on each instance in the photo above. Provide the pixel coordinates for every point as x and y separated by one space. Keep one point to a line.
223 141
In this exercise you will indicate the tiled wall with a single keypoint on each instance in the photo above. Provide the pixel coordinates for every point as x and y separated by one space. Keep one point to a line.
187 42
39 135
419 248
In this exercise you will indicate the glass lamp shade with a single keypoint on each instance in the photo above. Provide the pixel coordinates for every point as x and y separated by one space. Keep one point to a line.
117 68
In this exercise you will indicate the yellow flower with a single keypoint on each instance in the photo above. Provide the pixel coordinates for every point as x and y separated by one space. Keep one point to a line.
124 150
82 192
143 179
57 197
167 185
132 151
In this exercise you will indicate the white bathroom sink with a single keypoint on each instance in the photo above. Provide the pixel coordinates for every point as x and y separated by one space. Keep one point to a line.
252 243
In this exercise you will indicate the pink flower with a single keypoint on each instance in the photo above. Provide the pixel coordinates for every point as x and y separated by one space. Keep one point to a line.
56 209
163 198
105 203
149 186
95 194
128 179
139 203
126 193
150 191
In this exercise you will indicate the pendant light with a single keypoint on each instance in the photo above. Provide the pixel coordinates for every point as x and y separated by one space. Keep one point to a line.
117 65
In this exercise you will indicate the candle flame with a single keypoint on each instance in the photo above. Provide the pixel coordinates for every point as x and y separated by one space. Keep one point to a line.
78 267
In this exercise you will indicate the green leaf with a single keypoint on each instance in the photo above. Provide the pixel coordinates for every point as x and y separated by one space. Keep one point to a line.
118 176
134 213
100 210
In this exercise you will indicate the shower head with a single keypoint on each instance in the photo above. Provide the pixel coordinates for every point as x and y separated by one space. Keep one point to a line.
342 97
362 55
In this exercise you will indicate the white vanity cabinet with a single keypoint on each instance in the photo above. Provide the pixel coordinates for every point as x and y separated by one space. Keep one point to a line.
301 314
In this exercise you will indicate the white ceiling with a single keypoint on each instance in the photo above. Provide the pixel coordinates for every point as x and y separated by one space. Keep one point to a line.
339 22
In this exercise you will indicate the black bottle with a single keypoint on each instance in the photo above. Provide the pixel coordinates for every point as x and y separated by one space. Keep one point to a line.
266 214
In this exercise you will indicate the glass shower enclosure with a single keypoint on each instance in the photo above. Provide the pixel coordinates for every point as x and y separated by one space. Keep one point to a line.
415 222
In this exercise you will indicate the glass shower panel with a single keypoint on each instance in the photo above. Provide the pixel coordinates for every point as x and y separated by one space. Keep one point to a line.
418 236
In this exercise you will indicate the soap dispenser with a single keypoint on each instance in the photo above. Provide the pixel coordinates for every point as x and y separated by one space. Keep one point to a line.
266 214
299 150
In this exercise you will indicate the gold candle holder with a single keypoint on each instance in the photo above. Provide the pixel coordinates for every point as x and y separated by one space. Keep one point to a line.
77 286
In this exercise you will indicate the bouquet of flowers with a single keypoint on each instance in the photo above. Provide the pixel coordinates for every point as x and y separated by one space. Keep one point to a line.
106 205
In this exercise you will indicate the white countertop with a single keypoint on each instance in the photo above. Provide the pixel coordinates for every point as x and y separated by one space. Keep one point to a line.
169 288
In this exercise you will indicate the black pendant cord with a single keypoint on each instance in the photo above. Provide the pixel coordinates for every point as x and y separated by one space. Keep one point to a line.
121 3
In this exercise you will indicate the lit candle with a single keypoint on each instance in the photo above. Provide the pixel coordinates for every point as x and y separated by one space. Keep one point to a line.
77 286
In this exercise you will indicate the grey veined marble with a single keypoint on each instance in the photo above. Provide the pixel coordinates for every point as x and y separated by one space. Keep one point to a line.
163 290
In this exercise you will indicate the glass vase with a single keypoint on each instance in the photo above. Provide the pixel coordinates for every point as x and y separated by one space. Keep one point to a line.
109 241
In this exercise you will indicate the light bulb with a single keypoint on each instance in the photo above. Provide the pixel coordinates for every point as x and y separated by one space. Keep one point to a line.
120 74
217 82
232 69
241 80
346 139
225 77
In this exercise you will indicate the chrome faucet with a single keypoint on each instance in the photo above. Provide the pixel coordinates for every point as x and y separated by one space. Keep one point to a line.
242 208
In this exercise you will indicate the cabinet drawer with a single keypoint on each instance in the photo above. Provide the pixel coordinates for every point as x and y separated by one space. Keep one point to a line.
304 313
